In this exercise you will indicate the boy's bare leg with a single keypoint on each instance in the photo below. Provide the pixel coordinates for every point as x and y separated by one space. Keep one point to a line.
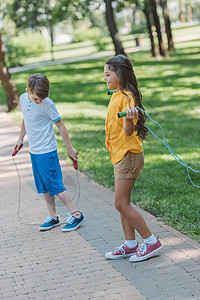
50 202
68 202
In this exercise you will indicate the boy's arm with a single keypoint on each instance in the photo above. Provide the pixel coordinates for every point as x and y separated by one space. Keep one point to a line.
21 136
128 123
72 152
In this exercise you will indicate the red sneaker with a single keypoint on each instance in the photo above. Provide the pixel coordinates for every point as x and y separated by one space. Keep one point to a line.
120 252
145 251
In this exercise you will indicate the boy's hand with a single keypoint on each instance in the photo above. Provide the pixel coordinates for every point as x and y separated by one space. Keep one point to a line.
132 113
73 153
18 144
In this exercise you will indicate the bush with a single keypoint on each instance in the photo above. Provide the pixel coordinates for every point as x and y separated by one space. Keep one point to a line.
23 45
93 34
103 43
139 28
83 33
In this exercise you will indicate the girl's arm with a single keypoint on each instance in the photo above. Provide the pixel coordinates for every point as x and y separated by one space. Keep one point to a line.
21 136
72 152
128 123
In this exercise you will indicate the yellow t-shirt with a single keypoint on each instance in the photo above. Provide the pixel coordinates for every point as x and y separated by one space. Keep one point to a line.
117 143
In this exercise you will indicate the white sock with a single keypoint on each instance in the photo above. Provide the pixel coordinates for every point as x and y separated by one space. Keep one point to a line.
150 240
130 243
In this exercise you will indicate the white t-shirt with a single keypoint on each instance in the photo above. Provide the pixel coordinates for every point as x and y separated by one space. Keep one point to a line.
38 120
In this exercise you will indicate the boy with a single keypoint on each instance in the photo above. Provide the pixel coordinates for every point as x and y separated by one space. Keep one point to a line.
39 113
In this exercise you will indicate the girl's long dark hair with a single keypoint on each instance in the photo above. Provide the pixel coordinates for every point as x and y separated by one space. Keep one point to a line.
121 65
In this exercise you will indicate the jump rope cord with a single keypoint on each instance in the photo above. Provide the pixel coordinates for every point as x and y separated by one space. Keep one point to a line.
19 196
79 187
178 159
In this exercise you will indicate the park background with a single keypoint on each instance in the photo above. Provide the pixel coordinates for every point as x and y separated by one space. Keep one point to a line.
167 69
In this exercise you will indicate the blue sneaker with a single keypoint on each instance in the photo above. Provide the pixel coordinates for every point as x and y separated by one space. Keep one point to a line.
73 222
49 223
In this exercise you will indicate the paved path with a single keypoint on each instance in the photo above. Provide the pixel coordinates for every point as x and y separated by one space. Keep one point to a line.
56 265
73 59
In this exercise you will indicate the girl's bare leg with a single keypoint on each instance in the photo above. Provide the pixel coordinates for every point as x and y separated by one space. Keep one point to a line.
131 216
68 202
50 203
129 231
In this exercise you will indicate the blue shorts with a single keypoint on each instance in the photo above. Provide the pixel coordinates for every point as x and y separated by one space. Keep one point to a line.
47 173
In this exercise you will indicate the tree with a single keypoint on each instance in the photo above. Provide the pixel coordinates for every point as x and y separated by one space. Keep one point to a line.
32 14
36 14
113 28
181 15
163 4
158 27
9 86
149 8
146 11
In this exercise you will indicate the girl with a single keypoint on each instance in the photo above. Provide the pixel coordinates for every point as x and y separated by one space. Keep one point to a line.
124 142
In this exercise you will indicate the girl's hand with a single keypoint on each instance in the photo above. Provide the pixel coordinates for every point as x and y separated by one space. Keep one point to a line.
132 113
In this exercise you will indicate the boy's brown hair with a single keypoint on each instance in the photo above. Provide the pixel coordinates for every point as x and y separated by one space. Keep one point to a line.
39 84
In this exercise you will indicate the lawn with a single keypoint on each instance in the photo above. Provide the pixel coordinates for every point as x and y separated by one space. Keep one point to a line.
170 95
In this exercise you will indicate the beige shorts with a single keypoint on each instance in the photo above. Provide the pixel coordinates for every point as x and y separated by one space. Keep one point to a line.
130 166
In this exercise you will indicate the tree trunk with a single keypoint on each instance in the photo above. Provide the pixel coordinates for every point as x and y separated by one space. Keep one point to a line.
149 27
113 28
163 4
52 39
51 30
181 15
9 86
158 28
134 14
189 14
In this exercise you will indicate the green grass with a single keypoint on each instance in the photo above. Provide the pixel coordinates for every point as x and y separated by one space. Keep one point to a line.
64 51
170 95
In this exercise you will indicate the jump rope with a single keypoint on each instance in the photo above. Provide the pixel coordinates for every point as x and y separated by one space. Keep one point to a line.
120 115
75 164
178 159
